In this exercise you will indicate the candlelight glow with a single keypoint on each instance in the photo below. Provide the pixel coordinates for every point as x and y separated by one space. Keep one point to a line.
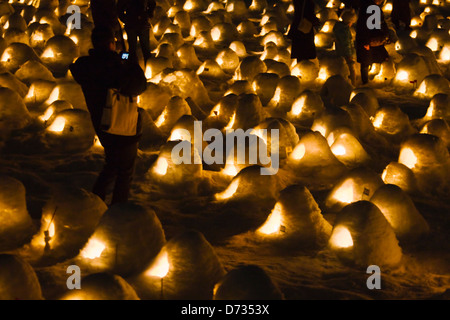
161 118
323 75
229 192
298 106
408 158
161 266
47 114
445 54
299 152
345 192
48 54
231 123
402 75
161 166
180 134
378 121
338 150
93 249
433 44
273 222
58 125
53 96
230 170
341 238
413 34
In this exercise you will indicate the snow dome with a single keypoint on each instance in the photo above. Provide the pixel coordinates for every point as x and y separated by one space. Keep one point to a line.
427 156
306 107
400 175
366 98
102 286
336 91
264 85
400 212
250 67
412 70
392 123
15 55
70 91
247 282
348 150
223 113
59 52
155 65
211 70
175 108
38 94
287 90
8 80
32 71
187 57
438 128
124 242
68 219
296 221
249 112
224 33
431 85
228 60
187 267
13 112
358 184
18 279
16 225
70 131
362 236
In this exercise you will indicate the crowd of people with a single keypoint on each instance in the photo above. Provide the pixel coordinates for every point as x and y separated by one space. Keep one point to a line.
368 47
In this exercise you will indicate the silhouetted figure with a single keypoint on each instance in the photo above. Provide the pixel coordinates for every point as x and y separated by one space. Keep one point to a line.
370 42
96 73
401 14
136 15
303 46
104 14
344 41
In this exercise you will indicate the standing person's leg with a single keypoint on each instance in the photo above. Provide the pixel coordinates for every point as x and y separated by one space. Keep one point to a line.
144 40
106 178
132 43
126 160
365 73
351 66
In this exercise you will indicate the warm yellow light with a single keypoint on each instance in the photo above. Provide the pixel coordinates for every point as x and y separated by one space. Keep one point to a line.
273 222
188 5
383 176
299 152
93 249
180 134
231 123
51 230
58 124
48 54
215 33
161 166
161 118
402 75
215 111
161 266
388 7
433 44
298 106
229 192
408 158
445 54
344 193
230 169
47 114
6 57
323 75
341 238
338 150
319 128
378 120
53 96
413 34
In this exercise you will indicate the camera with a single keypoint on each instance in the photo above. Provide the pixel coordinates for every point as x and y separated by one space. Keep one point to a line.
125 55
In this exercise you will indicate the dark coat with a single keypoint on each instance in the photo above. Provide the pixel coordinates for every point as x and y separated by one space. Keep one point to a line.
365 36
135 14
104 14
401 12
303 47
98 72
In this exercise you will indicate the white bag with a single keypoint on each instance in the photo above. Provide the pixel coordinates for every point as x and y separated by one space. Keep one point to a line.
120 114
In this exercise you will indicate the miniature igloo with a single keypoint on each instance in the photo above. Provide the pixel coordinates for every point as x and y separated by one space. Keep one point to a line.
439 108
247 282
331 119
358 184
362 236
224 33
70 131
287 137
400 212
306 107
250 183
59 52
155 65
296 221
15 55
349 150
18 279
13 112
392 123
239 87
68 220
70 91
178 164
187 267
400 175
428 157
312 157
288 89
8 80
438 128
431 85
264 85
228 60
174 110
366 98
240 49
411 70
277 67
250 67
211 70
336 91
124 242
102 286
249 112
306 70
16 225
223 112
32 71
38 93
